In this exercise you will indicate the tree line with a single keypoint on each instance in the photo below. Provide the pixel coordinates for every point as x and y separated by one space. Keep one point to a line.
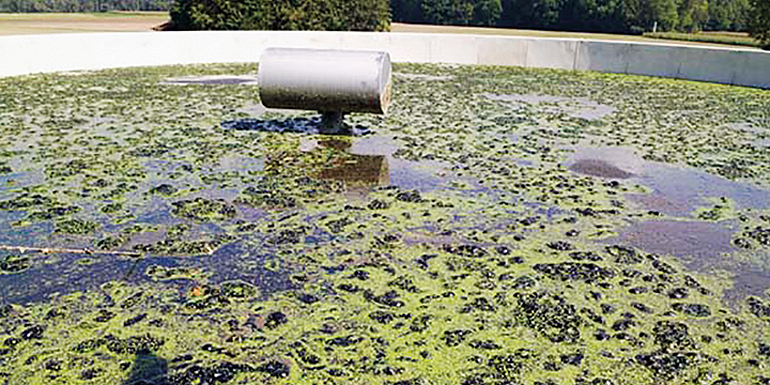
19 6
615 16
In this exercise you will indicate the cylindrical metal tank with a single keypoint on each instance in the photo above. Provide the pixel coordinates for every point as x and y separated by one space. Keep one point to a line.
332 81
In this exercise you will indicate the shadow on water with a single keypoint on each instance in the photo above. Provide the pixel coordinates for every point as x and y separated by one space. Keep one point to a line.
312 125
582 108
148 369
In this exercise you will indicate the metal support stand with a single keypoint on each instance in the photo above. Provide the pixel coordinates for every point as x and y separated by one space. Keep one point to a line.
333 123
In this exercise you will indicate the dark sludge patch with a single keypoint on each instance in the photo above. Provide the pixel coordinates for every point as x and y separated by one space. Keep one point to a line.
600 168
389 298
25 201
560 246
623 254
178 247
692 309
147 368
758 308
672 336
552 316
503 367
666 365
12 264
455 337
223 372
753 238
33 332
132 345
573 271
472 251
204 210
164 189
76 226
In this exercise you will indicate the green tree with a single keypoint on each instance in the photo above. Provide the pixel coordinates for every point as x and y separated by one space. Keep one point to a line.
332 15
760 22
664 12
487 12
693 15
438 11
409 11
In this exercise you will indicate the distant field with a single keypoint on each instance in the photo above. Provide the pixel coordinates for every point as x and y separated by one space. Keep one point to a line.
37 23
720 39
730 38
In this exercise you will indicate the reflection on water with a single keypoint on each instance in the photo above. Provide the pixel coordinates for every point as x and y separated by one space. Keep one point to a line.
369 170
58 273
243 261
703 241
703 247
676 192
750 281
22 179
582 108
354 169
423 176
688 188
369 162
62 273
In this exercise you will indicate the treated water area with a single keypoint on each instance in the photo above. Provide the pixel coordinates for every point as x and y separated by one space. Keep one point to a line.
499 226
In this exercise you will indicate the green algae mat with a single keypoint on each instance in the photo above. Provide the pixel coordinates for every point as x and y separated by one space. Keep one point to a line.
500 226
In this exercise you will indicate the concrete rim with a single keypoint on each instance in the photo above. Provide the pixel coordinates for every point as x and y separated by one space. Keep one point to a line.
31 54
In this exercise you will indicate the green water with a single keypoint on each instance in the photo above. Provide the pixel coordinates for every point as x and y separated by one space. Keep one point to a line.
498 226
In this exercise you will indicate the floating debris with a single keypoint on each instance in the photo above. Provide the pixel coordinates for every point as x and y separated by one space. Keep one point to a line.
55 250
213 80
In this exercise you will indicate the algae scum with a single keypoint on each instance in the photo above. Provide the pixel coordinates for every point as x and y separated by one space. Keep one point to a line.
499 226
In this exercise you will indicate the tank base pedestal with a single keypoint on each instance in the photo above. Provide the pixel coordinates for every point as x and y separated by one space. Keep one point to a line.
333 123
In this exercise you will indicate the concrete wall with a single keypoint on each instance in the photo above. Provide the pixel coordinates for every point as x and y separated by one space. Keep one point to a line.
28 54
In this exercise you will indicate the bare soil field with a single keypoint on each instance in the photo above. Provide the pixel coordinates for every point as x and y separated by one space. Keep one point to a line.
39 23
719 37
423 28
26 23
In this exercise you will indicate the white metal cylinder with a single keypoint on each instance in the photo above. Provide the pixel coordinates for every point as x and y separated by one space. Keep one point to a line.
325 80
